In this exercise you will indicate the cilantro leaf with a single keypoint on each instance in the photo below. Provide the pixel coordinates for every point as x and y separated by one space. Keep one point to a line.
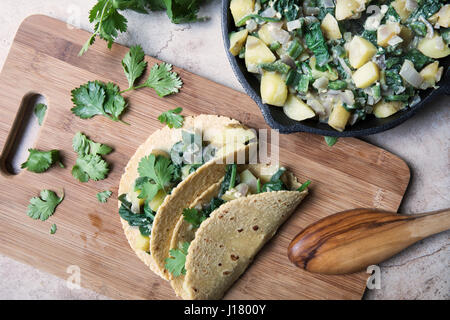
143 221
114 104
39 161
53 229
194 216
39 111
148 189
172 118
83 146
330 140
175 263
88 100
90 167
159 169
97 98
103 196
44 206
133 64
108 23
163 80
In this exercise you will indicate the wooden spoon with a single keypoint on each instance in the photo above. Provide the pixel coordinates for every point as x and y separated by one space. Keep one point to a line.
349 241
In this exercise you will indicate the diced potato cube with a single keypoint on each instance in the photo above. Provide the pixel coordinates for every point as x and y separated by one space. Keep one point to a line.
237 41
348 8
241 8
249 179
256 52
401 9
360 51
435 47
366 75
384 109
330 28
142 242
157 200
233 135
296 109
319 74
386 31
339 117
430 75
265 34
273 89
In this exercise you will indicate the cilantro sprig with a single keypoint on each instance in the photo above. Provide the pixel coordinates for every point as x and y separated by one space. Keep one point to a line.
155 173
98 98
39 110
89 164
103 196
194 216
109 22
44 206
175 264
39 161
172 118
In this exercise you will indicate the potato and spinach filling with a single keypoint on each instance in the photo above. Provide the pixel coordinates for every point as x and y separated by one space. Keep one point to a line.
159 173
339 61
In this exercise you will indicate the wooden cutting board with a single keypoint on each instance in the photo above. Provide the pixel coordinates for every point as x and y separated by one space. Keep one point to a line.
43 60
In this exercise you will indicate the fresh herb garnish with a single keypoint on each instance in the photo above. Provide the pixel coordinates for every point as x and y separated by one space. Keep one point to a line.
109 21
99 98
275 183
172 118
84 146
133 64
89 164
39 111
194 216
53 229
331 141
103 196
304 186
143 221
175 263
39 161
44 206
230 180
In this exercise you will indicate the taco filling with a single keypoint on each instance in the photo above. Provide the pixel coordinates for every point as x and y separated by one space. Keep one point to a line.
241 182
162 163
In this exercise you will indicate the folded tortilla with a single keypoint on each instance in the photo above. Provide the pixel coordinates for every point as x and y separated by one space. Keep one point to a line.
225 244
213 128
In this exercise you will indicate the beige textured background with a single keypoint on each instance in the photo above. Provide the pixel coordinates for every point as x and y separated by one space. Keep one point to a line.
420 272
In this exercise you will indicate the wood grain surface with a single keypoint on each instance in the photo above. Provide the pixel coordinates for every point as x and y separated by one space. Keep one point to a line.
43 60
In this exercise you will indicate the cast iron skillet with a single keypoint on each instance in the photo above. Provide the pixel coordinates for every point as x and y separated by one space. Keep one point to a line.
276 118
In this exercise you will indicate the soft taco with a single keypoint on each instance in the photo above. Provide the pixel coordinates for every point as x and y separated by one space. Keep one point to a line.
168 171
221 231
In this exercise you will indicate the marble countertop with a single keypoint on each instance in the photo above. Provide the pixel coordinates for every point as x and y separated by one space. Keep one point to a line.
420 272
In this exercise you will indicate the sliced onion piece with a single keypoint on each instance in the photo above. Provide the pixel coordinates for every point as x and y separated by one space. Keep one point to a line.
410 75
293 25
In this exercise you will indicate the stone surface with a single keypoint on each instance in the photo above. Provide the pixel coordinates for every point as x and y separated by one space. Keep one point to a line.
420 272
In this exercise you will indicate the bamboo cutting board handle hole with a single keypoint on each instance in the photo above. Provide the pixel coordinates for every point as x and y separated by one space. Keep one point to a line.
22 135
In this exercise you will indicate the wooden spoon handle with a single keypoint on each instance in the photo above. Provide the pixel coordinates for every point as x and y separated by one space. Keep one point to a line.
350 241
